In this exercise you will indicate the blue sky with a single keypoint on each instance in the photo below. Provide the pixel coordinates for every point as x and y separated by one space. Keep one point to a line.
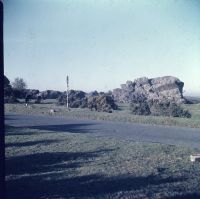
101 44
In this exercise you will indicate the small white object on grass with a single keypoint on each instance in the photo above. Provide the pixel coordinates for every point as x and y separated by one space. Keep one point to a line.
52 111
195 158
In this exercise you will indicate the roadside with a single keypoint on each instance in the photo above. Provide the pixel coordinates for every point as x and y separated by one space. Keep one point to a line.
121 115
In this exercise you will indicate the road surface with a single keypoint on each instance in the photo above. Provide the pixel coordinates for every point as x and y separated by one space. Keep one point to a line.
189 137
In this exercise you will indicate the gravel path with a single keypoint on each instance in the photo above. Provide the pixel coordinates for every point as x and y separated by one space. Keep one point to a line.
127 131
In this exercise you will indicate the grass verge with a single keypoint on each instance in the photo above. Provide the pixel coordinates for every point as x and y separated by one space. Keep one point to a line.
121 115
47 164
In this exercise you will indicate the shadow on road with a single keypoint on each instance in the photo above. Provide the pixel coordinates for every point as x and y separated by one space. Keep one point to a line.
10 117
70 128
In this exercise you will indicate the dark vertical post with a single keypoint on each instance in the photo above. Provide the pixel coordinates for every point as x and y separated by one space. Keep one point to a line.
2 134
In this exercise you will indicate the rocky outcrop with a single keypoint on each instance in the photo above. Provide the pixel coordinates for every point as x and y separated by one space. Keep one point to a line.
160 88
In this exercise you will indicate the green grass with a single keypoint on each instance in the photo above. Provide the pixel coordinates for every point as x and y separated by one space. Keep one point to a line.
194 110
122 115
48 164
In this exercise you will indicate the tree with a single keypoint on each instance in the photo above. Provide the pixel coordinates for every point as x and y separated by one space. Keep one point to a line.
19 84
9 96
7 87
38 100
27 98
6 82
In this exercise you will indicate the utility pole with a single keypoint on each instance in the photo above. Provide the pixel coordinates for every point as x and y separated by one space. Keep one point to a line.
67 80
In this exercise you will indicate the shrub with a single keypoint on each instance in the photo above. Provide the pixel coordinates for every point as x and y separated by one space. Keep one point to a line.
177 111
140 108
11 99
62 100
8 91
98 102
27 98
18 93
158 108
139 105
166 108
75 100
76 104
103 103
84 103
38 100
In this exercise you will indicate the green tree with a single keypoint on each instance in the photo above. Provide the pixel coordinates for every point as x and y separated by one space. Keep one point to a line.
19 84
7 87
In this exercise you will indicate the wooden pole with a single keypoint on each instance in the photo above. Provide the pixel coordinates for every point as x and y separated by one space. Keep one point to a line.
67 80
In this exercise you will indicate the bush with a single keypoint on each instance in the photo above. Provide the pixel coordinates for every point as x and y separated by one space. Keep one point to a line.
84 103
103 103
177 111
50 94
77 104
27 98
75 100
166 108
38 100
140 108
11 99
158 108
20 93
62 100
8 91
139 105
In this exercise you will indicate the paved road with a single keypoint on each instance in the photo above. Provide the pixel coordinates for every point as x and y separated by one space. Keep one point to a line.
126 131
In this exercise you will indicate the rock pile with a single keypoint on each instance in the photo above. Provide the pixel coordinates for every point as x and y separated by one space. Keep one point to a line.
160 88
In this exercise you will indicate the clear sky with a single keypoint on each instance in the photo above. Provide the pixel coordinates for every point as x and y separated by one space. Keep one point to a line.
101 44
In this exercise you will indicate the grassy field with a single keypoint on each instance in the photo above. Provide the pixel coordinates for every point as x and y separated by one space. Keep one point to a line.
122 115
48 164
